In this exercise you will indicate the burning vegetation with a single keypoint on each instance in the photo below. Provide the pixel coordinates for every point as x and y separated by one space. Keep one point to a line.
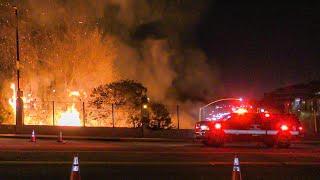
127 99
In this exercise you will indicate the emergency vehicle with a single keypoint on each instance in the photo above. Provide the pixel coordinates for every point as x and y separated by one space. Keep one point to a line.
271 129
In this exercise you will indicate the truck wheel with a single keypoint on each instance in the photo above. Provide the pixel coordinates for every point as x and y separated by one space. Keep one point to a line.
205 142
215 142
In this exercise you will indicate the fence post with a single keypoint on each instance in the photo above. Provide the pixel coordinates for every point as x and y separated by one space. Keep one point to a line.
83 114
178 118
53 113
112 110
314 116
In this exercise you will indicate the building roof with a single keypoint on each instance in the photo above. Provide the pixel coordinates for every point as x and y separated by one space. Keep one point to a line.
303 90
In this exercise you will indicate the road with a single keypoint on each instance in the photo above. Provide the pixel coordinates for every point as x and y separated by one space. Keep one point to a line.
47 159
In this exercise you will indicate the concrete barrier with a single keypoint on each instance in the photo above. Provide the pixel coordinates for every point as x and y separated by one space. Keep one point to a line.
98 131
73 131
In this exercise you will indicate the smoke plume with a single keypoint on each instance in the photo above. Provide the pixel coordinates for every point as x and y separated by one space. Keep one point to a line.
80 44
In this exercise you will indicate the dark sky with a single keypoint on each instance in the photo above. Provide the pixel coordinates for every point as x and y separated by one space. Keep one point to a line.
262 46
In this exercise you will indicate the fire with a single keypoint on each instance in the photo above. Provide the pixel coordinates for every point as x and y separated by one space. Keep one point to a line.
71 117
12 100
74 93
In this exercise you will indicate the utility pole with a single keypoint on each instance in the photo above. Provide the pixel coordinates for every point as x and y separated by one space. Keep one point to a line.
112 110
84 114
53 113
19 101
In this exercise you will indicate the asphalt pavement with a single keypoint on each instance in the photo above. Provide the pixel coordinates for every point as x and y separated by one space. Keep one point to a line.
48 159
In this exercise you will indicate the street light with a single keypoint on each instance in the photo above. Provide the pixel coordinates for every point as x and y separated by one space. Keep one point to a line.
225 99
19 101
145 106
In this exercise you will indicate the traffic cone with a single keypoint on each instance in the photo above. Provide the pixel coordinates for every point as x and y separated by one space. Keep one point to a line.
33 137
60 139
236 173
75 171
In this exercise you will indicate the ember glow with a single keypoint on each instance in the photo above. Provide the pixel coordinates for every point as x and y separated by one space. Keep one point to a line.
71 117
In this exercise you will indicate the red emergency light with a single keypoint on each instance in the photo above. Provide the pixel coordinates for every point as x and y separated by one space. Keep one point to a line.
284 127
217 126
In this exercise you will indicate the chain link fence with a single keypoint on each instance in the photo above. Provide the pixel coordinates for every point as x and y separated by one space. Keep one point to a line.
57 113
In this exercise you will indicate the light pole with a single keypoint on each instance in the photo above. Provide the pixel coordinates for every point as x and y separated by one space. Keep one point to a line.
225 99
143 109
19 101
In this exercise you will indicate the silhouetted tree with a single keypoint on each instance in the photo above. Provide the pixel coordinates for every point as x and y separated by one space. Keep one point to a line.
159 116
126 95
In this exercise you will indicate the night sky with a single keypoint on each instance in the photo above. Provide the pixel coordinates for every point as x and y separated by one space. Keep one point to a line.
259 47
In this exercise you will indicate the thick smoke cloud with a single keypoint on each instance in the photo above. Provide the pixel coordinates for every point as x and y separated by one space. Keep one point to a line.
81 44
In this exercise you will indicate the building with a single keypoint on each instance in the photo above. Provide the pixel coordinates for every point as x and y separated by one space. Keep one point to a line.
300 99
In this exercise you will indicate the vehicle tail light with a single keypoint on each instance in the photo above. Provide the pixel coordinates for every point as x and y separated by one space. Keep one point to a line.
217 126
284 127
267 115
204 128
300 128
240 111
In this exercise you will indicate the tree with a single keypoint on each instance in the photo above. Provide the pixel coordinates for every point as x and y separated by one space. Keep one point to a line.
126 95
159 116
129 98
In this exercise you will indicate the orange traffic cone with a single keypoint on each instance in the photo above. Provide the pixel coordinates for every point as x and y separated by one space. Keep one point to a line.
33 137
75 171
60 139
236 173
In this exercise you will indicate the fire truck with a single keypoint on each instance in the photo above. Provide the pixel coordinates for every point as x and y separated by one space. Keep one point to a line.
241 125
